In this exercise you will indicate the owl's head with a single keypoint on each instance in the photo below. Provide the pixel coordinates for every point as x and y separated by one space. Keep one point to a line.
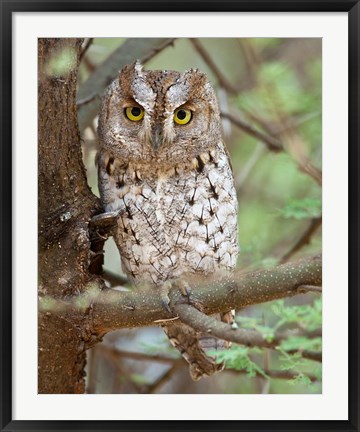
162 115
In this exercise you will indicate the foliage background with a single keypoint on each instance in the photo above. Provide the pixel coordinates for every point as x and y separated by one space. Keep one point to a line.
274 85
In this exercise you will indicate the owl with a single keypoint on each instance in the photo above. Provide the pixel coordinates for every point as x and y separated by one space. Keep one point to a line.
163 166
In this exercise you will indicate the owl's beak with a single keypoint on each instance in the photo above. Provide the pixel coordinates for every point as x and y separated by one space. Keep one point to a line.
156 137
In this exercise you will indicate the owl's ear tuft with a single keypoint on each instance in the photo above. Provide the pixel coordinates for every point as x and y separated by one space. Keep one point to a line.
195 78
135 66
138 66
134 84
128 73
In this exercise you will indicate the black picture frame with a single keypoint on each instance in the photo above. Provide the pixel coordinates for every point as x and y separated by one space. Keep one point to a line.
7 9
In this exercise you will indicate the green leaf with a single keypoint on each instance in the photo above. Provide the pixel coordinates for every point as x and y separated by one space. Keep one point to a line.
301 208
300 379
301 343
237 357
307 316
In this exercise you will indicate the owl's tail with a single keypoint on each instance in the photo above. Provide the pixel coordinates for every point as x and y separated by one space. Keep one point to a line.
192 346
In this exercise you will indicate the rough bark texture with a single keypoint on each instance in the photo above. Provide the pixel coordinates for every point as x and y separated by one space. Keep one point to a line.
66 204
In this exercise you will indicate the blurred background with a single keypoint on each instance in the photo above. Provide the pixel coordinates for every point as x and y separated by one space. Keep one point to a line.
269 92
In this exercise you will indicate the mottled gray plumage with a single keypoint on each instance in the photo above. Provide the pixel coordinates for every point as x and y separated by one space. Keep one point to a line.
172 183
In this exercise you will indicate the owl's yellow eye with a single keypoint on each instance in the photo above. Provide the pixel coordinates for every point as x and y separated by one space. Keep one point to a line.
134 113
182 116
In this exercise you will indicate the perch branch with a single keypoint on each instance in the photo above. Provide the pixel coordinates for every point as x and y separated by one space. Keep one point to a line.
109 309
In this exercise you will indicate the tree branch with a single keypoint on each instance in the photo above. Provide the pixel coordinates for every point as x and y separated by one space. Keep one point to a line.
273 144
85 48
274 374
178 362
109 309
138 355
106 310
250 338
153 388
213 327
222 80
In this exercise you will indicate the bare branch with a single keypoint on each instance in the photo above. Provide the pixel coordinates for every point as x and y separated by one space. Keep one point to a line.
244 173
213 327
304 240
175 365
88 99
110 310
153 388
274 374
86 47
251 338
222 80
310 355
139 356
273 144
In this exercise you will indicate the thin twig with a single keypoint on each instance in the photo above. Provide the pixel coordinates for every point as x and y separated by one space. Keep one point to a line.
223 81
155 51
273 144
140 356
114 279
310 355
86 47
304 240
112 355
92 373
275 374
294 122
153 388
86 100
310 288
292 142
244 173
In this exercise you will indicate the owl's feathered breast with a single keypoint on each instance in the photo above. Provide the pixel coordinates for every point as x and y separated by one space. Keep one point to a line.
181 219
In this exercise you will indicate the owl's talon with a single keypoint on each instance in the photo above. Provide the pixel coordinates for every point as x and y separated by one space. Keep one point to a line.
165 303
165 300
184 289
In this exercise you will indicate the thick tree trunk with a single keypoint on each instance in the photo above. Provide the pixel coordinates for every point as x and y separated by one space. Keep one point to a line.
66 205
